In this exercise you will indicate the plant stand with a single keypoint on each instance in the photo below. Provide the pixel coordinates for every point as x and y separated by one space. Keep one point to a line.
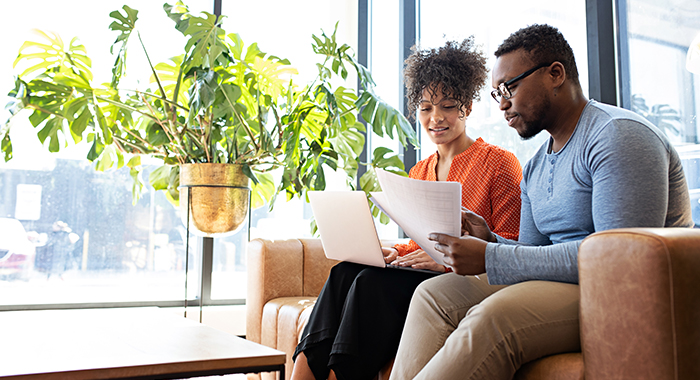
207 245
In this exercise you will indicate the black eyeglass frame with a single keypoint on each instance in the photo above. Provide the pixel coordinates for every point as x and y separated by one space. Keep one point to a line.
504 92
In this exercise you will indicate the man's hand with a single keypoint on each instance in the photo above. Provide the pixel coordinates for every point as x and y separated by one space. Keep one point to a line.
475 225
466 255
390 254
418 259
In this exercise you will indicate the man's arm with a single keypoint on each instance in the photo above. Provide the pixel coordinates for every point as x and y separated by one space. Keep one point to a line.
510 264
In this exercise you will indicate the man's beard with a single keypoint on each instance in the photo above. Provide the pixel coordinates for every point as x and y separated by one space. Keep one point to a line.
536 125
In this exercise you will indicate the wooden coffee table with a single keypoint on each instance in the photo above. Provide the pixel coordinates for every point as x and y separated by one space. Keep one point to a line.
138 343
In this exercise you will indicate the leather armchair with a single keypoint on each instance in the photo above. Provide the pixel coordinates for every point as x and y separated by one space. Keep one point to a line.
640 304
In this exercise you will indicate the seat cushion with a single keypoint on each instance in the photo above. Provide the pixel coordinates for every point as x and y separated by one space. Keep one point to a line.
283 322
556 367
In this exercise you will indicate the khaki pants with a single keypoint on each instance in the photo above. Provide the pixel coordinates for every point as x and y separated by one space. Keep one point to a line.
460 327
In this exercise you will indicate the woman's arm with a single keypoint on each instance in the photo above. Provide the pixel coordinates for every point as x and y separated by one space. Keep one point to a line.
505 196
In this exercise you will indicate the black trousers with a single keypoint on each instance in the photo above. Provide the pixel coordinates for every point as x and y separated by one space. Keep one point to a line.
357 321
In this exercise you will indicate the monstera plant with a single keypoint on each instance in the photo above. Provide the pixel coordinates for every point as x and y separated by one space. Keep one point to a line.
219 101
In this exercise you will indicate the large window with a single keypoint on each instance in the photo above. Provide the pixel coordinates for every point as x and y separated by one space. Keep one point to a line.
657 36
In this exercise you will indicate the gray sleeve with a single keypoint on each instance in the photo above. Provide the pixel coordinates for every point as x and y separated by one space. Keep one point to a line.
511 263
629 166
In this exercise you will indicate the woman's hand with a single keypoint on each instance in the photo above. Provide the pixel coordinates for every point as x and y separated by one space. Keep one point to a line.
390 254
475 225
418 259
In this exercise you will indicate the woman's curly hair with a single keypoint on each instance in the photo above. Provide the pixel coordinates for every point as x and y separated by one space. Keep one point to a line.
460 69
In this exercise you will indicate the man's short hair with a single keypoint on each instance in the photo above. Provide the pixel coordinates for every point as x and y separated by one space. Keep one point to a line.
544 44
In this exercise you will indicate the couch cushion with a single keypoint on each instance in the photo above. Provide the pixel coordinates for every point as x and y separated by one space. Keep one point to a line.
283 322
556 367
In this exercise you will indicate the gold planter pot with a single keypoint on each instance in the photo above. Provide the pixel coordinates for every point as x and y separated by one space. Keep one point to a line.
216 196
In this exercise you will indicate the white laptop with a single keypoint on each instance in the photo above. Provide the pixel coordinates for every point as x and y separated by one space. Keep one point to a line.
347 228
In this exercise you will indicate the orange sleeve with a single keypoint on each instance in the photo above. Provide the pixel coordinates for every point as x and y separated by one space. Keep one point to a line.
505 197
407 248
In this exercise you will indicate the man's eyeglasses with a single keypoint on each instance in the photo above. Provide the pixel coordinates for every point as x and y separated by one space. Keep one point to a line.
503 91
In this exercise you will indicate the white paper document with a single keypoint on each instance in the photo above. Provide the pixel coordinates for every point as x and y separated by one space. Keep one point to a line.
421 207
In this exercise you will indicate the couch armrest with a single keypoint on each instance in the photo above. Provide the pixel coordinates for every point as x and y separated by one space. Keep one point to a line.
282 268
640 304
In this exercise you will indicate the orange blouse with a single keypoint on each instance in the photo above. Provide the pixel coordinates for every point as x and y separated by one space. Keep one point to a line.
490 178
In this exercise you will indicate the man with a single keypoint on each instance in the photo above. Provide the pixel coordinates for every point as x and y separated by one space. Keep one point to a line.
603 167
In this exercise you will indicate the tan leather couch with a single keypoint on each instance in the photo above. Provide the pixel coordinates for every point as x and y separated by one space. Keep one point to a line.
640 304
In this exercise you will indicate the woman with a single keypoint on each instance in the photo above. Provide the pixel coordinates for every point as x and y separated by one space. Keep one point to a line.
355 326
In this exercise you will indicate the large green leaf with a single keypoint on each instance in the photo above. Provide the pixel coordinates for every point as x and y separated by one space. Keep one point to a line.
169 75
272 75
386 119
203 92
388 163
155 135
103 124
230 93
49 54
178 13
205 47
96 148
50 132
241 72
70 79
262 191
313 124
349 143
124 24
80 124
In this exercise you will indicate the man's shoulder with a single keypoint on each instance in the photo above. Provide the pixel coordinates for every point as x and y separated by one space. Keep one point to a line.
601 114
605 120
